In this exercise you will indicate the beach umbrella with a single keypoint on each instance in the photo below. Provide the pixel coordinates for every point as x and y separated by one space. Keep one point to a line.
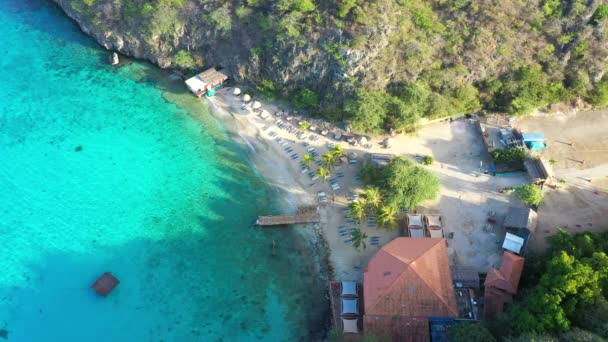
362 140
256 105
237 91
246 98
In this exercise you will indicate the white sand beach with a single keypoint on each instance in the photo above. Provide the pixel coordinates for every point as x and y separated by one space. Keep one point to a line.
467 195
284 173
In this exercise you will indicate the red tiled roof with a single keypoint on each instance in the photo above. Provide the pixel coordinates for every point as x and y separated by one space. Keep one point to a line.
410 277
501 285
507 277
494 302
398 328
406 281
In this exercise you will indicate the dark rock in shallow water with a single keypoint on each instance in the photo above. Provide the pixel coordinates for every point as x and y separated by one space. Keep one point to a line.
4 334
78 148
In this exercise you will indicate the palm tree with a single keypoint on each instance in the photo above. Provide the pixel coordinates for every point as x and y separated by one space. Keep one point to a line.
357 210
359 239
307 159
338 151
388 216
373 197
323 172
328 160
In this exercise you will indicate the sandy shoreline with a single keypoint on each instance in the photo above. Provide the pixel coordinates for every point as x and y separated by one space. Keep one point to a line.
467 196
297 188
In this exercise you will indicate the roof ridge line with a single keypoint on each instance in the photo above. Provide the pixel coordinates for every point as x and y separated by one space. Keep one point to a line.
432 289
393 282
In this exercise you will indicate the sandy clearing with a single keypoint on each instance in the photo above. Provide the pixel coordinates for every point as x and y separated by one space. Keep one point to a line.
582 202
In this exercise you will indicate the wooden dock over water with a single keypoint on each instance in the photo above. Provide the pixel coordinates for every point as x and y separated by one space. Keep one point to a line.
305 215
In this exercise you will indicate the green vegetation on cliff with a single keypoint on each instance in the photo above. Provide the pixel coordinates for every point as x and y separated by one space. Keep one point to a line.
378 63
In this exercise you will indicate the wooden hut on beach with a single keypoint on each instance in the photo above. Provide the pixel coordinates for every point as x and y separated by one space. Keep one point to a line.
206 82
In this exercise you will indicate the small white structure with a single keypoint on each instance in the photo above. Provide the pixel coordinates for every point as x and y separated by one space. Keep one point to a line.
264 114
513 243
206 81
246 98
256 105
236 91
113 59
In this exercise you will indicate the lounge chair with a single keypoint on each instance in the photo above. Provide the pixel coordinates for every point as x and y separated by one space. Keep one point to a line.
349 289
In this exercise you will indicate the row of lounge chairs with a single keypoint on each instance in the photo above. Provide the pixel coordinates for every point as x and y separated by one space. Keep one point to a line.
350 314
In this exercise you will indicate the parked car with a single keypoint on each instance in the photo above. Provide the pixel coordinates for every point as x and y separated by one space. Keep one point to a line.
415 226
433 226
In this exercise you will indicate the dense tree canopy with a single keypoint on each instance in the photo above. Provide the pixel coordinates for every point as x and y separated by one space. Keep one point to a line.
470 332
403 184
570 291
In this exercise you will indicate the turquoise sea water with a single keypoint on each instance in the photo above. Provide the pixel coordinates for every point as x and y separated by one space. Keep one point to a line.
100 172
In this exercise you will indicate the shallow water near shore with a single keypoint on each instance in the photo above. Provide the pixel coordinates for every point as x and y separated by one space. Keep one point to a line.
102 171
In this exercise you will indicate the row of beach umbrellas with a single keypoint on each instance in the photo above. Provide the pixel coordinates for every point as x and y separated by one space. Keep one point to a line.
247 98
256 105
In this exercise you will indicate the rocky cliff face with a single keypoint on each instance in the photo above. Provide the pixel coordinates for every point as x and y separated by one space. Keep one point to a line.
251 43
427 58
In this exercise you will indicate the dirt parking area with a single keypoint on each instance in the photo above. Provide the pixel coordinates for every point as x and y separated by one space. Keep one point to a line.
468 197
578 145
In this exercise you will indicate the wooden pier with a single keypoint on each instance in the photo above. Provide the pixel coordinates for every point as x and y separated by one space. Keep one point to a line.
305 215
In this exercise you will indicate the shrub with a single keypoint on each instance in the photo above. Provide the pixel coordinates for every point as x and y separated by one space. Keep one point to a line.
345 7
184 59
599 96
222 19
305 125
600 13
427 160
243 11
306 99
297 5
509 156
527 89
469 332
267 88
530 194
581 48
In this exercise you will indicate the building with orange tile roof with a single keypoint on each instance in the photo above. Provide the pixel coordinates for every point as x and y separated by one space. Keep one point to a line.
501 284
405 283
